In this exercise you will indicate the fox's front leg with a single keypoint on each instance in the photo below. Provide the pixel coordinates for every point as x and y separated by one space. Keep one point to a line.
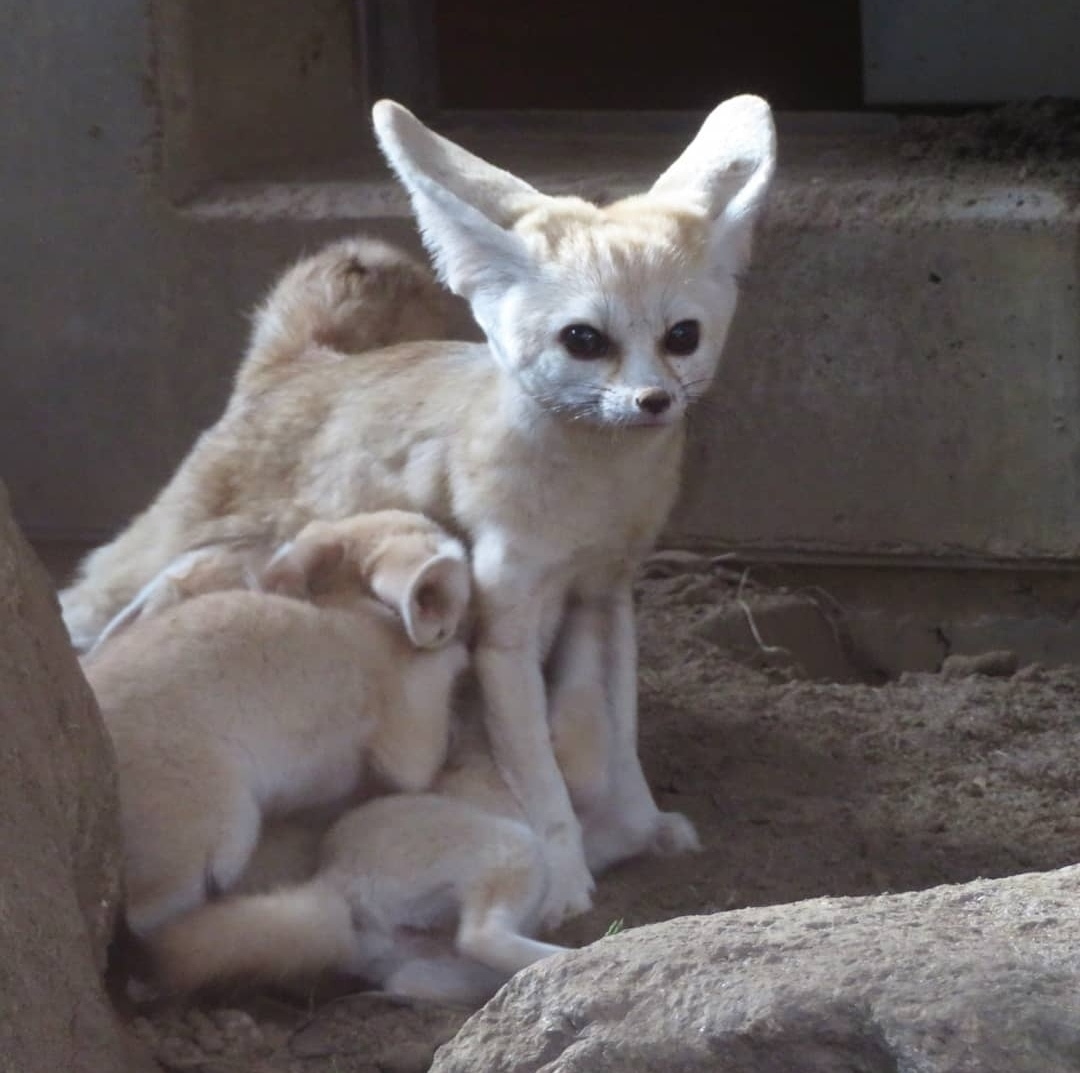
508 663
625 820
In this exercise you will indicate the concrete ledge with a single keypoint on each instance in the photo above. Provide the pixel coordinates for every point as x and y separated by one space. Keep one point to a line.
902 380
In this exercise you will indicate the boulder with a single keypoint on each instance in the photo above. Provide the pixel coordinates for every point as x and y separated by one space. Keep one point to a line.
978 978
59 834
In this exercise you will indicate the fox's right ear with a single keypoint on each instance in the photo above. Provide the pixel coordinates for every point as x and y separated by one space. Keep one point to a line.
725 172
465 207
301 567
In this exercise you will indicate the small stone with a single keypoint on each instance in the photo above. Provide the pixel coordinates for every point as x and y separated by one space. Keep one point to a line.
238 1027
406 1058
176 1052
997 664
674 561
205 1032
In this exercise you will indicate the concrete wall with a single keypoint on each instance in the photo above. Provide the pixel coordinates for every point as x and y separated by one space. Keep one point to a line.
902 380
937 51
904 377
121 315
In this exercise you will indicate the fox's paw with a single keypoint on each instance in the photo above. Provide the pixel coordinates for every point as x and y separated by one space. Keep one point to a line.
557 910
674 833
570 883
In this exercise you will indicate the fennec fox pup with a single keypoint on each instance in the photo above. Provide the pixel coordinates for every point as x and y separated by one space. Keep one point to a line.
235 705
430 895
391 552
555 449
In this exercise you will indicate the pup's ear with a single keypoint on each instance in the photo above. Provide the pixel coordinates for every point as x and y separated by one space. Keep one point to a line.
464 206
431 600
725 172
303 566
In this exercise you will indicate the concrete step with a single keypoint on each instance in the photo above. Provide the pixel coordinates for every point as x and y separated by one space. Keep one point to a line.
902 379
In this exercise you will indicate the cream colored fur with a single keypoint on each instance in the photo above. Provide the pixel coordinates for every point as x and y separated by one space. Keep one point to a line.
431 895
234 705
560 470
391 553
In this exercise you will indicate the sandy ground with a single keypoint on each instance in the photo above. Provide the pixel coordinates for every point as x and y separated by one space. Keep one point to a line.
798 788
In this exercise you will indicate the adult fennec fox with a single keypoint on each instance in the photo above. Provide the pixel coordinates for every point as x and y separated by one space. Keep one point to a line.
235 705
555 449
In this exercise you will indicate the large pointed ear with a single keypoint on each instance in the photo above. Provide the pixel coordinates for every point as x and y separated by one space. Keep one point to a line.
725 172
465 207
303 566
432 599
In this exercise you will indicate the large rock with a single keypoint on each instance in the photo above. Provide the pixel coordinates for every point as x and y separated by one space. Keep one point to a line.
58 839
982 977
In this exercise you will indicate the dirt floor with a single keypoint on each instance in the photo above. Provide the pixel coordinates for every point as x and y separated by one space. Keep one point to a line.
799 788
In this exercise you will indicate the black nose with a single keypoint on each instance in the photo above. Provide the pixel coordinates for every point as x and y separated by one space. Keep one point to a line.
653 400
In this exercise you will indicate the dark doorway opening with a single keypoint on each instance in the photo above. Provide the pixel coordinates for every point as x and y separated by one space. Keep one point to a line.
615 55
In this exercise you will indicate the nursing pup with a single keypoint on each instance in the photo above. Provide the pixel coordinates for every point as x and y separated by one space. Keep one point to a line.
237 705
555 448
433 895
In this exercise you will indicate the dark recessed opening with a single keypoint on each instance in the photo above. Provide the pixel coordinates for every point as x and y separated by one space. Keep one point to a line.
683 54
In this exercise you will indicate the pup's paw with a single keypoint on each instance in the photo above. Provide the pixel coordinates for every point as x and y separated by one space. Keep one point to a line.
83 620
674 833
570 884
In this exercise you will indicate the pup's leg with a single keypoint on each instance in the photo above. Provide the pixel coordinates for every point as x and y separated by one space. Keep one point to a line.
209 569
178 853
110 577
447 979
501 898
490 936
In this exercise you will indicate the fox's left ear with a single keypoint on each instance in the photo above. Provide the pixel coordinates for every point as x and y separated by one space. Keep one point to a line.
465 207
432 597
725 172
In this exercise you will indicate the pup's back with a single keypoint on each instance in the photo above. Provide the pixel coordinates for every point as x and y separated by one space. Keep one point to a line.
253 671
234 704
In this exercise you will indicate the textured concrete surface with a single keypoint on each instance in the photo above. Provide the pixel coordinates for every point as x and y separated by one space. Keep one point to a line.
903 376
969 50
122 317
901 381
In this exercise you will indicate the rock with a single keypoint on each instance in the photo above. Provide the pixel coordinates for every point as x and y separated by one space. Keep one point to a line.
59 829
782 629
978 978
997 664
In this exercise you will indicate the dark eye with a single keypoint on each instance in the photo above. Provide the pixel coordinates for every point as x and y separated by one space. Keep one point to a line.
584 341
683 338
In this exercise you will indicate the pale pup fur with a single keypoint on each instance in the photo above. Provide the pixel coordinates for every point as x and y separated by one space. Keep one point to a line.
386 548
237 705
430 895
559 470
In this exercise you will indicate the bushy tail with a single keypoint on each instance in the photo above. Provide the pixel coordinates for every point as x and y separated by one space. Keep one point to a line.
354 295
293 933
